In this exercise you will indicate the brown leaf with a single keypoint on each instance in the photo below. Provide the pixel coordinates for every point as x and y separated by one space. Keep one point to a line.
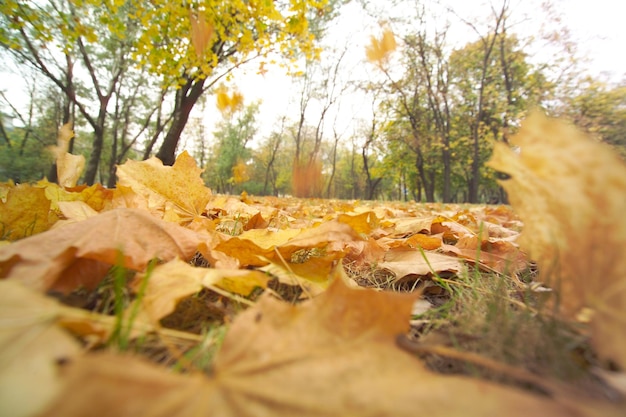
334 355
81 253
31 347
570 192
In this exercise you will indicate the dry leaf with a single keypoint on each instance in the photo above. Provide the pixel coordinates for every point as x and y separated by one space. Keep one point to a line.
177 191
334 355
171 282
201 32
16 222
497 255
31 348
69 167
81 253
570 192
405 262
379 49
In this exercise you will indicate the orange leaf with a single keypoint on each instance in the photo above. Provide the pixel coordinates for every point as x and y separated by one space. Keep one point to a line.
201 32
81 253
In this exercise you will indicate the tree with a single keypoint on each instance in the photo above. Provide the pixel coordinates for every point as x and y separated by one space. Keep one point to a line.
224 36
600 109
227 167
24 155
267 155
100 40
493 86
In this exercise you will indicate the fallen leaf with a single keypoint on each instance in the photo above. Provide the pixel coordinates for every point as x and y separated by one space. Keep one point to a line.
405 262
16 222
177 191
170 282
31 348
334 355
361 223
81 253
498 255
570 192
96 196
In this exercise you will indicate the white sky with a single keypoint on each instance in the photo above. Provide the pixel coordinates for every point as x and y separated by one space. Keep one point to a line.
596 26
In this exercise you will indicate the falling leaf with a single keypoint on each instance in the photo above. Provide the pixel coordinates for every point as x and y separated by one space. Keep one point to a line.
226 103
379 49
178 189
81 253
31 348
69 167
570 193
201 32
16 222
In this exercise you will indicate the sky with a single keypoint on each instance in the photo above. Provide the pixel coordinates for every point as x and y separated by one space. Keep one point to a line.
596 27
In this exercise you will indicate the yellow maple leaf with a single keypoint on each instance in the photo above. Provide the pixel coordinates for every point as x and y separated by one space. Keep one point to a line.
178 189
227 103
378 50
16 222
570 193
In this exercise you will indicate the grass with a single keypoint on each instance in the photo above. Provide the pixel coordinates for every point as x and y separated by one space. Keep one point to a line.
492 326
487 325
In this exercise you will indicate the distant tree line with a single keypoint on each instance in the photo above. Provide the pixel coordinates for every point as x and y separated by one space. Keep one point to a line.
125 73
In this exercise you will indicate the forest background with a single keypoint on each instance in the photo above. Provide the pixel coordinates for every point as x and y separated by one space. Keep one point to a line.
385 100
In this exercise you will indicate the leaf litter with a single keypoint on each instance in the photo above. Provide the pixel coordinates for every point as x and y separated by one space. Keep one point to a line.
490 335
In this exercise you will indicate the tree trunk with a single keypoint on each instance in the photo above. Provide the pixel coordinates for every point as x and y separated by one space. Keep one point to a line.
186 97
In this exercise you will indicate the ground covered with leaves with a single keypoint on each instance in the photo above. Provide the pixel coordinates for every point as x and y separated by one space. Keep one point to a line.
158 298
